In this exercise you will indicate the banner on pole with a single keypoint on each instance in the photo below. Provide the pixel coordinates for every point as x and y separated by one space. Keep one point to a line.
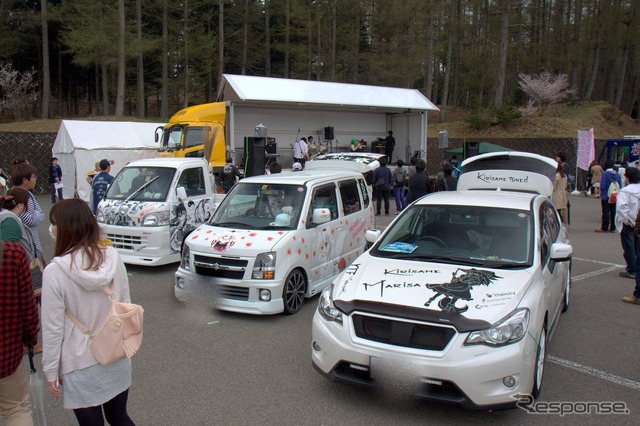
586 148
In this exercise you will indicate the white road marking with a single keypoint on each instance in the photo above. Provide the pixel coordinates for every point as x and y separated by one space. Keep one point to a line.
611 267
595 372
583 368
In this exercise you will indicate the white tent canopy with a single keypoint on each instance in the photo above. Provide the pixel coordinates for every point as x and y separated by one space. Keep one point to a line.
80 144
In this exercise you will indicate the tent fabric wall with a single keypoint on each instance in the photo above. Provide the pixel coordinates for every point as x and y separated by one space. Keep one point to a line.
80 144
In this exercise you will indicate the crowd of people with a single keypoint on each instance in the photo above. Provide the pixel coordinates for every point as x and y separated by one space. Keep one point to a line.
83 264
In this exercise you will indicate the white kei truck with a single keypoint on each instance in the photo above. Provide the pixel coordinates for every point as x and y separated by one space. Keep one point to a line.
153 204
278 239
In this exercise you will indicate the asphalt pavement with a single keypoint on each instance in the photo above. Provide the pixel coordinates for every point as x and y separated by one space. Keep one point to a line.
198 366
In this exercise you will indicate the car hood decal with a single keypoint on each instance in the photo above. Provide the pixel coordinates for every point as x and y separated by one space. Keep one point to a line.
233 242
469 297
128 213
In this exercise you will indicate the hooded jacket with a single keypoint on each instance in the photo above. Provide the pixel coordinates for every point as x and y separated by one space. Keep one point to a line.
66 285
607 177
627 205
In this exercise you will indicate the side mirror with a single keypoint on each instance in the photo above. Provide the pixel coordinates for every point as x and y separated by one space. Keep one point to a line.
321 215
372 235
181 193
561 252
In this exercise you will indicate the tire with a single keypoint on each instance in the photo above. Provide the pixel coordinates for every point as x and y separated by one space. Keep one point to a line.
541 356
295 287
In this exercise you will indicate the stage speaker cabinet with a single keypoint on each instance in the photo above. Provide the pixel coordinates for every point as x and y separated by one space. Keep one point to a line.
328 134
254 156
271 147
471 149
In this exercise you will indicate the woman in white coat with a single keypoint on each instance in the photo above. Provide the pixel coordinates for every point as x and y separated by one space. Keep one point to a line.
74 280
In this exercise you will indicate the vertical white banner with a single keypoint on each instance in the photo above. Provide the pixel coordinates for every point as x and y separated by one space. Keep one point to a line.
586 149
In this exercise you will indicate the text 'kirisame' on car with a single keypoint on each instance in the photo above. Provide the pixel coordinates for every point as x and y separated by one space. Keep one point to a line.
458 297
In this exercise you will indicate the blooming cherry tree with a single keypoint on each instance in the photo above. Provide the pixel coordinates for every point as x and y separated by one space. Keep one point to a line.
18 90
544 89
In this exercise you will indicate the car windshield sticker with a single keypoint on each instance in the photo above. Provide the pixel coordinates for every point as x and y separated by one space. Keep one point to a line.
462 281
399 247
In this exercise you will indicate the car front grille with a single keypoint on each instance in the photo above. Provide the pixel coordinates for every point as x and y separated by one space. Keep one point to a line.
127 242
401 333
221 267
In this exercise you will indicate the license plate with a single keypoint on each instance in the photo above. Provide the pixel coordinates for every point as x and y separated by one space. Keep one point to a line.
394 374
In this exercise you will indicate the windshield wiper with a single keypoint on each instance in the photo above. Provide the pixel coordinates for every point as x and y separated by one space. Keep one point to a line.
144 185
506 265
231 224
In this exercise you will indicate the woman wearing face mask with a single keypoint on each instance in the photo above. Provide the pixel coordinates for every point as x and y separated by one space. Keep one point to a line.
74 281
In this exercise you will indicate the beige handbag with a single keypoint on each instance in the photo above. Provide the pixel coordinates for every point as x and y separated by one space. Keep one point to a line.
121 334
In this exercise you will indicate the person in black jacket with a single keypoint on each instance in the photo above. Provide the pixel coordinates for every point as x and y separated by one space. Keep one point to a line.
419 183
382 185
446 180
55 179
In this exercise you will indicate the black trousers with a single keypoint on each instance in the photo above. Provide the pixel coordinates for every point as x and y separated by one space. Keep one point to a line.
382 194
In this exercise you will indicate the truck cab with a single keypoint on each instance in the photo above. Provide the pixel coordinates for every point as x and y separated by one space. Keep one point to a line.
278 239
153 204
196 131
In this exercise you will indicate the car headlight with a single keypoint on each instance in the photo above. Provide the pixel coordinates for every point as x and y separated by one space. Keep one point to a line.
264 268
327 308
508 330
185 262
159 218
100 216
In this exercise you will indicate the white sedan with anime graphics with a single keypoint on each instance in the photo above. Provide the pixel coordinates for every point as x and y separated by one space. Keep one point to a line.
457 299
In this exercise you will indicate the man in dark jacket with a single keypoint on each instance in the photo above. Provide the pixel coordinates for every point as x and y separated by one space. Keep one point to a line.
382 186
608 209
419 183
446 180
228 176
100 183
390 143
55 180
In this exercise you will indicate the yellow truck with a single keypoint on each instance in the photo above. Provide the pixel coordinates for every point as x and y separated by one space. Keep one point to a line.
196 131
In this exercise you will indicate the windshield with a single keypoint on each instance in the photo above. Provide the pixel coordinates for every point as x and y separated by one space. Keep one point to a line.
260 206
172 138
141 184
484 236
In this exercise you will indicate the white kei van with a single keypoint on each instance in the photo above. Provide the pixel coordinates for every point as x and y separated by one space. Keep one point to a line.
153 204
278 239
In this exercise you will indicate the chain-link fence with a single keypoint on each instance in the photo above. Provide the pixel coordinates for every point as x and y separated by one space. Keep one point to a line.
36 148
33 147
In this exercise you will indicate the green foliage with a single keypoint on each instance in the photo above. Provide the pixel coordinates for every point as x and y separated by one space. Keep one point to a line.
507 115
477 121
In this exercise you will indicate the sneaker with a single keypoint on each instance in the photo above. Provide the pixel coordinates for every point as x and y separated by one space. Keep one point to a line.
626 274
631 299
600 230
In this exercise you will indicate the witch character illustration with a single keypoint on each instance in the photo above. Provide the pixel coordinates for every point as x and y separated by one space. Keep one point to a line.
462 281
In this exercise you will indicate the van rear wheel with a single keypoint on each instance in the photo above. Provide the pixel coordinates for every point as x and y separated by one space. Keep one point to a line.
293 292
